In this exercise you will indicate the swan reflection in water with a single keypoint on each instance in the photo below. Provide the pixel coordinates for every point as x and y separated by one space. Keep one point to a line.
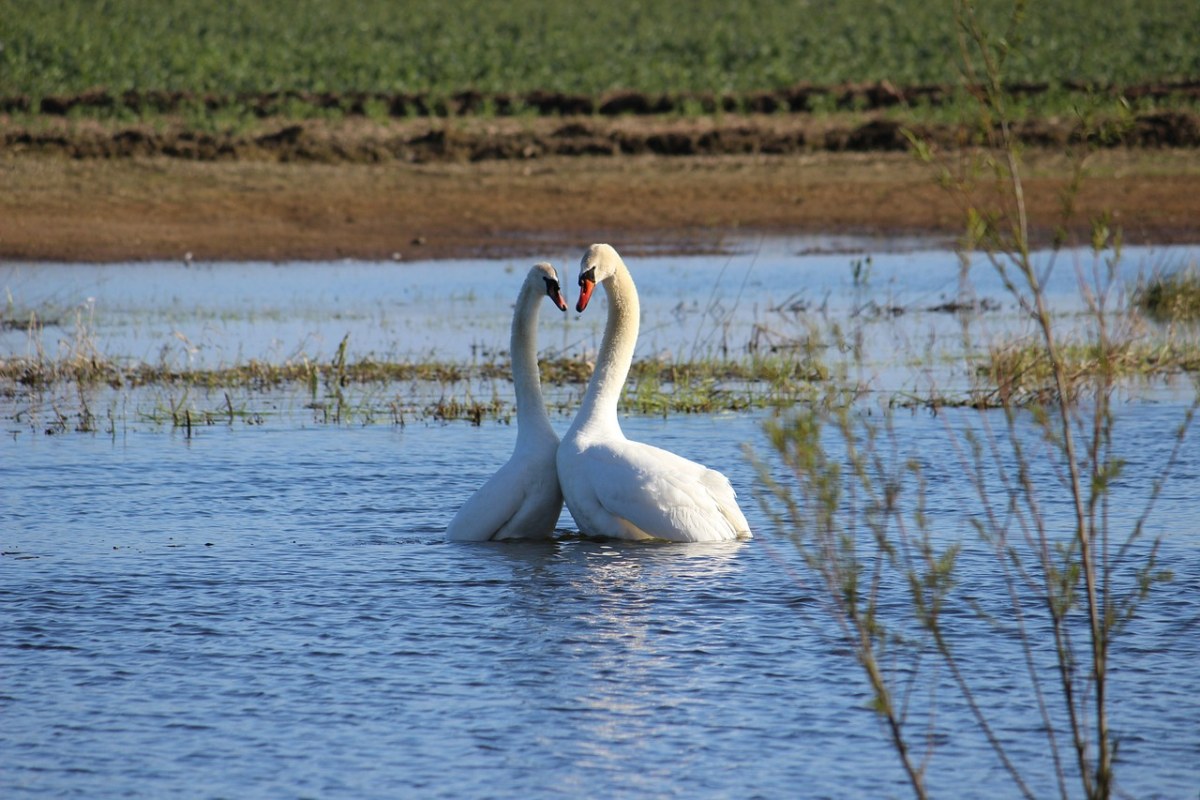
612 628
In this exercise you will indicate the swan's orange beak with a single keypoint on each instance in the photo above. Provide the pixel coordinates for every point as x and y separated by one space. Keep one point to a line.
585 293
559 300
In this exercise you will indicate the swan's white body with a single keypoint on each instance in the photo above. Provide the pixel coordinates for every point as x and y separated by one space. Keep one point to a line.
623 489
522 500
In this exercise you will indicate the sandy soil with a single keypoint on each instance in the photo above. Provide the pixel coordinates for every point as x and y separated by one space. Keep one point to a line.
155 207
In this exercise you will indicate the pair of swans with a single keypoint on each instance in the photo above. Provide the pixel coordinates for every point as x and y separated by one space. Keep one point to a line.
613 487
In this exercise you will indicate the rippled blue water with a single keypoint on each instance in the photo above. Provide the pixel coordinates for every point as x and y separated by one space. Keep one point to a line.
272 612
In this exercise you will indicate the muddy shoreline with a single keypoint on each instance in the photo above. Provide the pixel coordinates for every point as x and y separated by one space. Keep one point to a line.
529 188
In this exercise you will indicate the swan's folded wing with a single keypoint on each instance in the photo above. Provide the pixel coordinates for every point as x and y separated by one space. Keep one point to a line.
726 499
665 495
488 510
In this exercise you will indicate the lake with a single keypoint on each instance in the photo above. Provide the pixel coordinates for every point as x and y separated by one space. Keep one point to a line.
270 609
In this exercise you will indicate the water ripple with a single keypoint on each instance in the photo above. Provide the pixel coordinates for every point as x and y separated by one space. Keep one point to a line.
244 618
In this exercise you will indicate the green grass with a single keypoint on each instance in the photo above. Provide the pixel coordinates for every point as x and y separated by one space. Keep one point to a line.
63 46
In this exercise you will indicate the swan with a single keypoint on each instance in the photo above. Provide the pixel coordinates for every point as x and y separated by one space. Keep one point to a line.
522 500
623 489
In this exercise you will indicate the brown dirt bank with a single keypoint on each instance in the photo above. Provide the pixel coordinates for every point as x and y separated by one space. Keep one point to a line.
154 207
799 98
473 139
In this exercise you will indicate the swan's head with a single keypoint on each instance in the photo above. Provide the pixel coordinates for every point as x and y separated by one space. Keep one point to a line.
599 263
543 277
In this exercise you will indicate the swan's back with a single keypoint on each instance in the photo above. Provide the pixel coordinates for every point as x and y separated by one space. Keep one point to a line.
522 500
625 489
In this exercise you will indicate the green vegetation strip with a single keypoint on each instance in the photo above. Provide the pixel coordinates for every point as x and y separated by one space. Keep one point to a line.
1012 374
57 47
426 390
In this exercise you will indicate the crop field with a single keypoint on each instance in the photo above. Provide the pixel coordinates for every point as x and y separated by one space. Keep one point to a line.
55 47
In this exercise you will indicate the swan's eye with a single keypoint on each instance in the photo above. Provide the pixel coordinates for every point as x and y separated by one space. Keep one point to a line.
587 277
551 286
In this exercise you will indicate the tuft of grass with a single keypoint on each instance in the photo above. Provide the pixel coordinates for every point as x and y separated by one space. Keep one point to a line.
1021 374
1173 297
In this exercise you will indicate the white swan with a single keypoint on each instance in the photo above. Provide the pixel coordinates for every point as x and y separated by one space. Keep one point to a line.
622 489
522 500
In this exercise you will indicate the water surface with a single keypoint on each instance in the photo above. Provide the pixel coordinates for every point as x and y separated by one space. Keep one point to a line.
273 612
210 315
267 610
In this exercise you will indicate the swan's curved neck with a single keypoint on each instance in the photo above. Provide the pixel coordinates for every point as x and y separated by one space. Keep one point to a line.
532 420
599 408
